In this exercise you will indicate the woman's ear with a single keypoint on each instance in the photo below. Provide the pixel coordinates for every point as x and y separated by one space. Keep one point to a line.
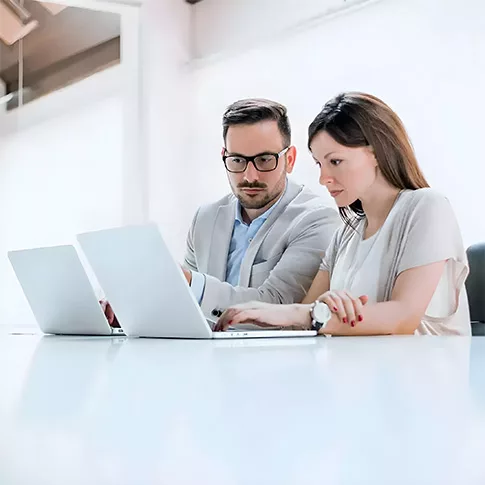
372 153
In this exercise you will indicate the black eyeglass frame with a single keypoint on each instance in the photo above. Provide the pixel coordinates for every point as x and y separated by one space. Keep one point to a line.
248 160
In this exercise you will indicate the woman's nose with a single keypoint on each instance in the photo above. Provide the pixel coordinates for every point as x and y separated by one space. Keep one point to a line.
325 176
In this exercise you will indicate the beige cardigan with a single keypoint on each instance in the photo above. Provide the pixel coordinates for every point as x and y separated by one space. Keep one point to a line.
423 230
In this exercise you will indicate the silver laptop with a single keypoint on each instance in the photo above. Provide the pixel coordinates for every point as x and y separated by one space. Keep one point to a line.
59 291
148 290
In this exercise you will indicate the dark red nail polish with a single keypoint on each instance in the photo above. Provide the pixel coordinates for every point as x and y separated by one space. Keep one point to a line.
335 309
361 318
344 320
352 323
229 322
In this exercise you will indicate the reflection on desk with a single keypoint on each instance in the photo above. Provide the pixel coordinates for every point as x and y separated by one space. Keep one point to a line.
341 410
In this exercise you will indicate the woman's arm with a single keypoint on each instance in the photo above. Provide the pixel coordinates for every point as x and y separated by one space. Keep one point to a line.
320 285
410 298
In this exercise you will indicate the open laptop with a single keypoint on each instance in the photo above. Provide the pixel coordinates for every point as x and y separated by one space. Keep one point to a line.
148 290
59 291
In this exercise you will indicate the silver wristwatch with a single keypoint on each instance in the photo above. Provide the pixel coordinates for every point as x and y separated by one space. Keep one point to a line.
320 314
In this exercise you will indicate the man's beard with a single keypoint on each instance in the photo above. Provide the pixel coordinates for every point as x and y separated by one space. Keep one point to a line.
248 202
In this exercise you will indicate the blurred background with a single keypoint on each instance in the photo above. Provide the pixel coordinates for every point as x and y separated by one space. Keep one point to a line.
111 113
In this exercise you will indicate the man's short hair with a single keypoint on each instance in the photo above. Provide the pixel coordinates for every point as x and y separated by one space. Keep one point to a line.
253 110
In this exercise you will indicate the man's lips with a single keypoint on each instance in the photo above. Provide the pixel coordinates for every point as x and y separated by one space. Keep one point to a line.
252 191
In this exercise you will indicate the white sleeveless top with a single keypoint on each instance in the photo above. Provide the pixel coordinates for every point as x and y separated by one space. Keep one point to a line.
420 229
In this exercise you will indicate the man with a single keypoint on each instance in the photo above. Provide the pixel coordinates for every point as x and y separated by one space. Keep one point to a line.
265 241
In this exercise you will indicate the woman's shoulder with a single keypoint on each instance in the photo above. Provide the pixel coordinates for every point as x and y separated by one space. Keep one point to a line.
428 211
426 195
424 200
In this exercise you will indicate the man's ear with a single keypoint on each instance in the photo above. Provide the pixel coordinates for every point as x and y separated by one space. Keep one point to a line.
290 159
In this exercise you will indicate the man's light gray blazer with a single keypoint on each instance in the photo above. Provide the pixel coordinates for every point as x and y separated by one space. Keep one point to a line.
281 261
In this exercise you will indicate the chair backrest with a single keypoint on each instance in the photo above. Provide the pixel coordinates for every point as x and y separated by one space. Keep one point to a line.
475 283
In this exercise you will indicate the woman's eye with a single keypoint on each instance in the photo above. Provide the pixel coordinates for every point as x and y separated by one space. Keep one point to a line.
335 161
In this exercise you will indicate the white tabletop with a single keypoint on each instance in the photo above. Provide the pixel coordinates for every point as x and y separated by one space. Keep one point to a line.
118 411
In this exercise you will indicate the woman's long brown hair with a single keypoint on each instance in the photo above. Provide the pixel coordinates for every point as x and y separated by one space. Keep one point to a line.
358 119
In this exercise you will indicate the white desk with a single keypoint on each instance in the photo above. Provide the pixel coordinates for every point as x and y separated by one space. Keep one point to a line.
322 411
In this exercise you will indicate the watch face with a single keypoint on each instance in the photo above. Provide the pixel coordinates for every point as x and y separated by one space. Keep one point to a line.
322 313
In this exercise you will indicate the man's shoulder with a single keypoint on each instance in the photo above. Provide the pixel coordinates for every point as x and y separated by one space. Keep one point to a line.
306 197
228 199
307 202
210 209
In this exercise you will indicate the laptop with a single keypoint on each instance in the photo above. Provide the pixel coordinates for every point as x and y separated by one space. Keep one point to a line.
148 290
59 292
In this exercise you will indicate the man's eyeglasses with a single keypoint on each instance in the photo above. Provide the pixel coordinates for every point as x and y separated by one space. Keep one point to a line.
263 162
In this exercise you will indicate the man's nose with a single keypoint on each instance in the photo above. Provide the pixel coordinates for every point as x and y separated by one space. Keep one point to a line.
251 174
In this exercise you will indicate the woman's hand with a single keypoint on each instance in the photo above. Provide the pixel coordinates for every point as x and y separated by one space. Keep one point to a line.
348 308
266 315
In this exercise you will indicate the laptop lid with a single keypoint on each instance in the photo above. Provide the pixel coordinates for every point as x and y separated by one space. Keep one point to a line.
59 291
144 285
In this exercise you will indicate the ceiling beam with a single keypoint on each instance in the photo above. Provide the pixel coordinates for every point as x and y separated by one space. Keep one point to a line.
11 26
53 8
75 66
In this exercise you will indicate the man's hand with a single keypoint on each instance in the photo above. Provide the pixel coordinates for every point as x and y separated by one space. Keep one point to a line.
110 314
188 275
266 315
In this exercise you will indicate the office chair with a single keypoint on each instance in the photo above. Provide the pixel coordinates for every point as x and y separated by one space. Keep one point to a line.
475 287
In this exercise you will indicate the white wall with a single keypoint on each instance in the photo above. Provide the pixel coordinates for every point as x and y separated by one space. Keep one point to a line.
102 152
69 165
166 51
58 177
225 26
424 57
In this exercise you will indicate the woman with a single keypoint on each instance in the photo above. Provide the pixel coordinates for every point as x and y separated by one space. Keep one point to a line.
398 264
